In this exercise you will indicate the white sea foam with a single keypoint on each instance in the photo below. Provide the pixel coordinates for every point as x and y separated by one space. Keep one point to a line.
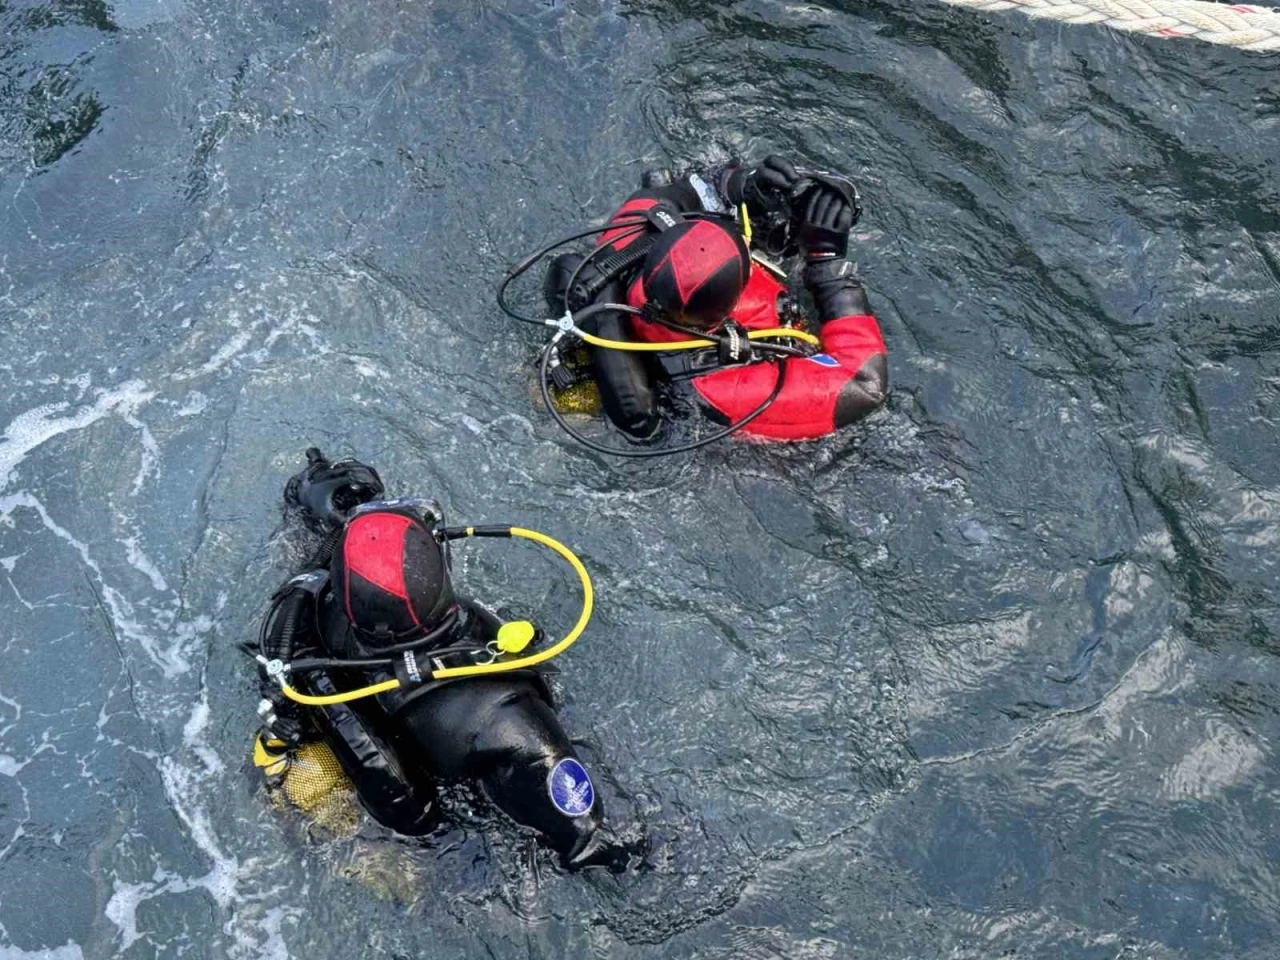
306 327
190 774
184 786
270 926
274 948
186 783
193 735
149 464
195 403
69 951
122 614
142 563
10 767
368 368
17 713
221 357
37 426
122 910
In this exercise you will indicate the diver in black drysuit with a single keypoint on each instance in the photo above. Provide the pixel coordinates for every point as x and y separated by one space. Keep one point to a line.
380 586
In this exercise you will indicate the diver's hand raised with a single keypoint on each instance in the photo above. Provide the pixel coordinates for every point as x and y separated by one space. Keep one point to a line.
764 187
825 220
775 176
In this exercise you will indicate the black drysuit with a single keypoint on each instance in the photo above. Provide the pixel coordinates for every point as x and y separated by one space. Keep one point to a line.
500 730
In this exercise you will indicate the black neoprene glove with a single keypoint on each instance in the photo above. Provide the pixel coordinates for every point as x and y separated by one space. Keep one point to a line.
763 187
824 218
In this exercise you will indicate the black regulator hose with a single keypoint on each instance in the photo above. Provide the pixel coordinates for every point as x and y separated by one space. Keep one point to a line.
277 644
324 553
437 633
611 266
305 664
523 266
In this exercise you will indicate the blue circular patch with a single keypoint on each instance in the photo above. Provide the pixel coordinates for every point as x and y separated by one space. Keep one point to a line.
570 788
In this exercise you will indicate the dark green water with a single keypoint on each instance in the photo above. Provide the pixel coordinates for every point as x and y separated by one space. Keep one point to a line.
993 674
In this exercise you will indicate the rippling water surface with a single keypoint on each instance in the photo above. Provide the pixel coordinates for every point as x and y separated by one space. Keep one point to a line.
991 675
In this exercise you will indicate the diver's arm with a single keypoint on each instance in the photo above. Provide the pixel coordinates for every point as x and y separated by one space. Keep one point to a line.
836 290
850 335
762 187
626 389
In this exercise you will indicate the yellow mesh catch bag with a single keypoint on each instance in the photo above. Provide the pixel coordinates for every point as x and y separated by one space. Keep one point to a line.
582 397
313 774
310 778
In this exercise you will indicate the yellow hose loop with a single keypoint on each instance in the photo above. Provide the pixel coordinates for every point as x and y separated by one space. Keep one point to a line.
588 601
784 333
479 669
638 347
332 698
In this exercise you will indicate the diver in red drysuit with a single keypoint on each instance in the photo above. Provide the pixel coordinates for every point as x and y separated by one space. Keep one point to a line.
699 272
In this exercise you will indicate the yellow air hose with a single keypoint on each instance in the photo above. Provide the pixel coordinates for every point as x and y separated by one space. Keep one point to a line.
332 698
778 332
479 669
588 602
